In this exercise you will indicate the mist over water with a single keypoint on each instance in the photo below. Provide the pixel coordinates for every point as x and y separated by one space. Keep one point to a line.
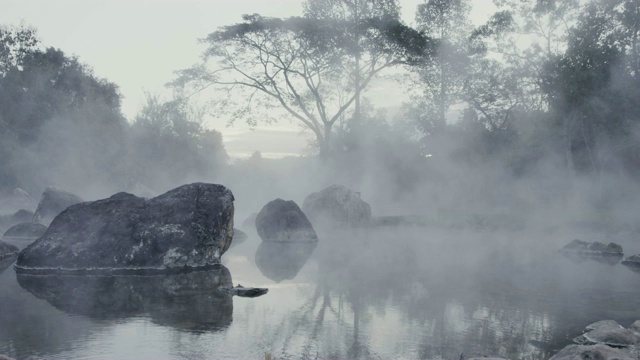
505 153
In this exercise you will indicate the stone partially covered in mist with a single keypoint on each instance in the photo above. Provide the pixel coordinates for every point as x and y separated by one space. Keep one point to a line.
52 203
337 205
7 250
591 352
632 262
635 327
607 332
186 228
26 230
579 250
250 222
22 215
282 220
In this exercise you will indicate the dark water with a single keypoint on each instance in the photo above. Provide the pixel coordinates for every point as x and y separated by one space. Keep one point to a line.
384 294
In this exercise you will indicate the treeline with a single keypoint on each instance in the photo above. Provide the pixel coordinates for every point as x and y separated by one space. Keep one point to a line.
541 82
61 125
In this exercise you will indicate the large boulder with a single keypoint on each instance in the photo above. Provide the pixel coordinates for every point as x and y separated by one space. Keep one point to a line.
52 203
591 352
337 206
282 220
186 228
7 250
26 230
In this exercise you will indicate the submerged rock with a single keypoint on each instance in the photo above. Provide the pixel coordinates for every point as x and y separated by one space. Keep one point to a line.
244 291
591 352
7 250
193 301
282 220
337 206
52 203
186 228
26 230
282 261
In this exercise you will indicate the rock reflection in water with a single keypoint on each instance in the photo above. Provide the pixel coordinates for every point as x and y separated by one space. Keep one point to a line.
190 301
5 263
283 260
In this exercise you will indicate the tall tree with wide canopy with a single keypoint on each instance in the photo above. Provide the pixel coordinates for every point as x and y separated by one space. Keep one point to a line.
300 65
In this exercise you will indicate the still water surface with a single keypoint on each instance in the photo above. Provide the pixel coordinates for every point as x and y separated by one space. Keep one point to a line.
383 294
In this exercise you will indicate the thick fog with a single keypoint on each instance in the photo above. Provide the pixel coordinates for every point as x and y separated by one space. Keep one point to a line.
519 136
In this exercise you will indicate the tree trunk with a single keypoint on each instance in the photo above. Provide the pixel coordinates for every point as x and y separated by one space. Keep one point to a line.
566 139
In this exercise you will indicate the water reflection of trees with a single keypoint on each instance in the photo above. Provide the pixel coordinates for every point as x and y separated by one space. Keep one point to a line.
503 303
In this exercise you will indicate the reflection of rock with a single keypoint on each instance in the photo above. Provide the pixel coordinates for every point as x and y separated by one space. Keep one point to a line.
607 332
337 205
579 250
52 203
26 230
632 262
193 301
282 220
188 227
7 250
6 262
583 352
282 261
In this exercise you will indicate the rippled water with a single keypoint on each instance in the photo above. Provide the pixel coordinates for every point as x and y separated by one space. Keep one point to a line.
385 293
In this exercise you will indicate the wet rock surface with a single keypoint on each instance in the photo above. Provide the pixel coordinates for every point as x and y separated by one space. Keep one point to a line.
282 261
26 230
337 206
186 228
591 352
192 301
7 250
52 203
610 334
283 221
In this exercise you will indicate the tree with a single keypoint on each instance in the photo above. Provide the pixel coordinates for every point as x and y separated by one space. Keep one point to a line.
298 65
442 79
169 145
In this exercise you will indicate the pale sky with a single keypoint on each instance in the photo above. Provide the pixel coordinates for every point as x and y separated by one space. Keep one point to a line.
138 44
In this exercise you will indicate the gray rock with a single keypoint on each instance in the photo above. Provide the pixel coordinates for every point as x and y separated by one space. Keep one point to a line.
7 250
22 215
244 291
633 262
596 248
26 230
250 222
337 206
608 334
282 220
591 352
603 324
52 203
635 326
186 228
